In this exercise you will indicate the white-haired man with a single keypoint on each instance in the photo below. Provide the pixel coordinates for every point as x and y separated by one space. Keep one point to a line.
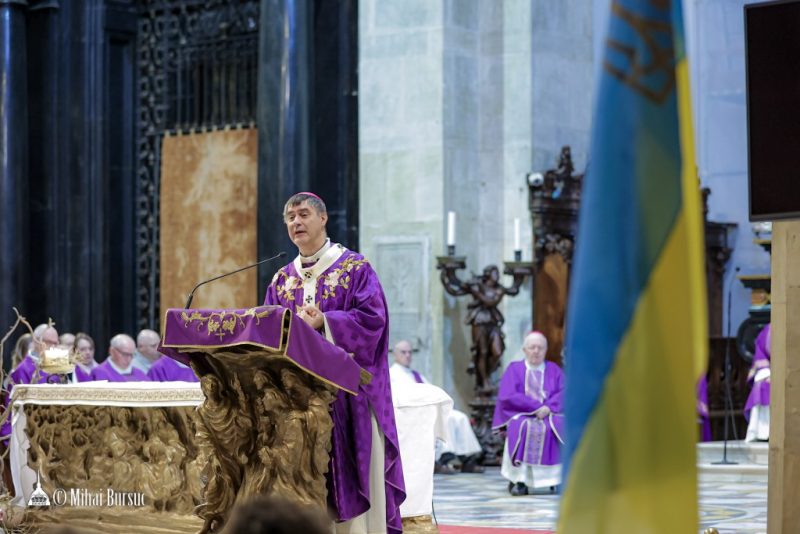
146 353
461 449
118 366
529 409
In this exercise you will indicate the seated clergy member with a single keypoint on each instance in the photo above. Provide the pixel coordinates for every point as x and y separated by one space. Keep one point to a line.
118 366
529 408
44 337
165 369
84 357
461 442
756 409
146 353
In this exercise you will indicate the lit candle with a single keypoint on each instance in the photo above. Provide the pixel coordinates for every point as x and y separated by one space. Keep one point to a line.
517 242
451 228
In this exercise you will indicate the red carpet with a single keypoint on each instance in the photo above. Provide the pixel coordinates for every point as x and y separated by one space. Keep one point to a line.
450 529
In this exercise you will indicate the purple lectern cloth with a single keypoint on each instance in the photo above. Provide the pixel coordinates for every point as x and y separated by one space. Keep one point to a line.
166 369
530 440
270 327
702 409
104 371
351 297
759 395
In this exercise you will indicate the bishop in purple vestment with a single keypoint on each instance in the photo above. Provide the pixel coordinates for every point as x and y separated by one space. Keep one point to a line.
168 370
117 367
756 409
529 409
336 291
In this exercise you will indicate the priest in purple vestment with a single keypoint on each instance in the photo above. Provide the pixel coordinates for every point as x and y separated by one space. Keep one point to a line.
84 358
529 409
45 336
118 366
168 370
336 292
756 409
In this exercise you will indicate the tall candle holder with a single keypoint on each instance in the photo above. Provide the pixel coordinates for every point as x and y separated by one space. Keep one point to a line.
486 323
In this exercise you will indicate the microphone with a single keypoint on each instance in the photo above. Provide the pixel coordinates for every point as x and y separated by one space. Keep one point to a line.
191 295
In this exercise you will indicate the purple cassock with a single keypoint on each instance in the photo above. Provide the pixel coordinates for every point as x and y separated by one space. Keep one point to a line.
21 374
702 409
759 395
83 373
105 371
522 391
348 292
165 369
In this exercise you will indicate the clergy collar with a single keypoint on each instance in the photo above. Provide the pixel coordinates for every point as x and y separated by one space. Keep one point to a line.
539 367
317 255
328 258
119 370
87 368
34 357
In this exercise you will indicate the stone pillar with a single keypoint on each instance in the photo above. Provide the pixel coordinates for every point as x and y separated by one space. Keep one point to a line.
783 515
283 128
13 159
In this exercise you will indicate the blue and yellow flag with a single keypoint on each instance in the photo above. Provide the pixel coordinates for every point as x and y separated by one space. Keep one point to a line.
636 329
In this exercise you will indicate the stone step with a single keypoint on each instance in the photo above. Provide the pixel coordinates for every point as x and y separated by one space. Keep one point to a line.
754 453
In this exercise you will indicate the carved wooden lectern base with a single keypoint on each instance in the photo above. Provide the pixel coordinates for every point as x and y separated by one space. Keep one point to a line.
264 427
266 433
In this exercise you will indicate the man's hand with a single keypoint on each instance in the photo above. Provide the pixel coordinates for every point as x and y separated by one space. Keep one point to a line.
312 316
542 412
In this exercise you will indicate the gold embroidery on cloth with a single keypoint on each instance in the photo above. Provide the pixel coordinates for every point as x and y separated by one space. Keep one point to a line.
286 289
339 277
224 322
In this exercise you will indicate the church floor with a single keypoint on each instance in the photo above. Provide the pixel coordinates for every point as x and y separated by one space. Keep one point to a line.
482 500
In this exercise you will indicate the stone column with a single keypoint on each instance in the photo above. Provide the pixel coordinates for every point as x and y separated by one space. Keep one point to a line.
283 131
783 515
13 159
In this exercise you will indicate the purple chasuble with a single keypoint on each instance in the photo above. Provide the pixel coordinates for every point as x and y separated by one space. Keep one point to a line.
351 297
104 371
531 440
165 369
759 395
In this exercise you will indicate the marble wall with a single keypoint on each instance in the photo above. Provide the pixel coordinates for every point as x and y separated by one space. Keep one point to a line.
452 117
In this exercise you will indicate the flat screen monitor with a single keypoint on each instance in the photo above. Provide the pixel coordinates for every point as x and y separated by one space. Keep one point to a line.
772 55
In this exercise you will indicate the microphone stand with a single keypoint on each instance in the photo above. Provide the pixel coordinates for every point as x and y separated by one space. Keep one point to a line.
728 396
191 294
